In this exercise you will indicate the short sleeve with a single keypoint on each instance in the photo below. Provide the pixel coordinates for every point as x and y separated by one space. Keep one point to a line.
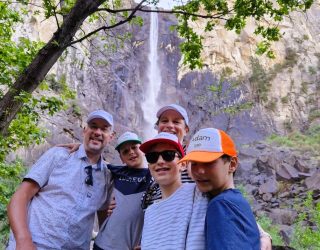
223 229
42 169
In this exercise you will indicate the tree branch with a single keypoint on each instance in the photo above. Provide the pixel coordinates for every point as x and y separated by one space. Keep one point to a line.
180 12
129 18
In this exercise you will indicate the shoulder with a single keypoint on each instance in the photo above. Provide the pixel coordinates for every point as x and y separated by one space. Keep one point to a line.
57 153
112 167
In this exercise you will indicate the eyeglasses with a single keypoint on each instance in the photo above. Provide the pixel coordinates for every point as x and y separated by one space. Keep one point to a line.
89 179
167 155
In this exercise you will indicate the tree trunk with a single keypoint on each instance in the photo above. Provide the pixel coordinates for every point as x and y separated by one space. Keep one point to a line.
32 76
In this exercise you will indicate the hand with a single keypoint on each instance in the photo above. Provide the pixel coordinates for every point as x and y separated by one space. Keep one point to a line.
71 146
265 242
112 206
25 245
137 248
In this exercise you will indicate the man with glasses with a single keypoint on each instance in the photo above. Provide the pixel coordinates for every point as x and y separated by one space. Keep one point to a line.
122 229
55 205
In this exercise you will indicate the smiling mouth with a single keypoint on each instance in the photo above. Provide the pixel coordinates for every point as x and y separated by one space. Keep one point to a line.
202 181
162 169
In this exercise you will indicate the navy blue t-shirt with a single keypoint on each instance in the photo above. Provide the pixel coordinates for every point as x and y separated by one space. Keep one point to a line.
230 223
130 180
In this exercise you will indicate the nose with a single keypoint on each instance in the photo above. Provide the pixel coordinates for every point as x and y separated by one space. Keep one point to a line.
131 151
160 160
199 169
170 124
97 131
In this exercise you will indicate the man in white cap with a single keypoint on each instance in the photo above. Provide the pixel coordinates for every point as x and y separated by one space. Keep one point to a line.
55 205
122 229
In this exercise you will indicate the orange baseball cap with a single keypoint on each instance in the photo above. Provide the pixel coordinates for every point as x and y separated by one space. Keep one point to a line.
209 144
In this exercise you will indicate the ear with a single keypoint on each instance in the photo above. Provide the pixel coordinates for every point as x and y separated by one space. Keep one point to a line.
182 166
84 130
187 129
113 135
233 165
121 157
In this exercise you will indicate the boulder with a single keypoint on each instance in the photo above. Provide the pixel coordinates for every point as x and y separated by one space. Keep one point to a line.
313 182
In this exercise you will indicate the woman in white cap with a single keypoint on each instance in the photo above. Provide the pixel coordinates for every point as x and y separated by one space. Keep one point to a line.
172 119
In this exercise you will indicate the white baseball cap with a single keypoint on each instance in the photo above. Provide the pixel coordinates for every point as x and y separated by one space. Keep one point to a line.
102 115
209 144
177 108
126 137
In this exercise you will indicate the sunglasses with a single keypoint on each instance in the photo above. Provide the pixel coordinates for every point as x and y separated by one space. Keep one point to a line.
89 178
167 155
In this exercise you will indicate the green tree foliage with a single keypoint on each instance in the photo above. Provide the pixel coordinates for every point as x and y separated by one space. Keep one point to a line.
10 177
234 15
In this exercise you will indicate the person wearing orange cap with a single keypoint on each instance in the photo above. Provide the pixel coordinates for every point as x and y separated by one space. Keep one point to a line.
212 162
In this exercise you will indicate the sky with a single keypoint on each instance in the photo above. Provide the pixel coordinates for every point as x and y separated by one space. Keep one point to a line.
167 4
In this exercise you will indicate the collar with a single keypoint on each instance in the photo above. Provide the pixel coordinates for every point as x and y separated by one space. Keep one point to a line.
81 154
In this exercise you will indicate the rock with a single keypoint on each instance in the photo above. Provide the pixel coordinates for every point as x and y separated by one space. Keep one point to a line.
313 182
267 197
287 172
301 166
271 186
282 216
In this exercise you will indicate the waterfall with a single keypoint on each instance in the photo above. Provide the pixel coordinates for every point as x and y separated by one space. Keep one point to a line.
150 105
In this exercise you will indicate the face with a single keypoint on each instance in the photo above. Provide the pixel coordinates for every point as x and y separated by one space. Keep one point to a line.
131 155
96 136
164 172
172 122
213 177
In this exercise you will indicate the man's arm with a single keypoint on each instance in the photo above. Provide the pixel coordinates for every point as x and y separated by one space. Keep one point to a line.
17 214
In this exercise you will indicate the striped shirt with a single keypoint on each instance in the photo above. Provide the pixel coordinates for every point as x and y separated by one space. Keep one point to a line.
176 222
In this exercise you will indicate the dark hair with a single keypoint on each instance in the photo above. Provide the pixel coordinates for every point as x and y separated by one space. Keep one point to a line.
227 158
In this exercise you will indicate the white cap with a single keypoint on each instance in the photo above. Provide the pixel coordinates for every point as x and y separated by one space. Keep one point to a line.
102 115
177 108
126 137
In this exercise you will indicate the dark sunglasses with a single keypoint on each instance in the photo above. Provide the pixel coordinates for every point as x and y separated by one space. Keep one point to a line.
89 177
167 155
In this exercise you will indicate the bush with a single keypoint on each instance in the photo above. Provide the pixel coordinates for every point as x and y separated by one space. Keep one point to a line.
10 177
307 141
307 227
271 229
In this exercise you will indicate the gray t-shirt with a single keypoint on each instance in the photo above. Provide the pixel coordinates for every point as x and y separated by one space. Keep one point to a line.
61 214
122 230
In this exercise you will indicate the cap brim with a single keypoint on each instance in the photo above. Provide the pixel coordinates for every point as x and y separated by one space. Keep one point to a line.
118 146
100 117
165 108
203 157
145 147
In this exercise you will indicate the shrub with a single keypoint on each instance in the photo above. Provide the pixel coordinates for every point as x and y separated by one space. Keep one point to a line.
10 177
307 227
272 229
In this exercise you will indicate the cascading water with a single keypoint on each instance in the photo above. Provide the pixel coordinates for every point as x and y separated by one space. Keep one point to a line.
150 105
